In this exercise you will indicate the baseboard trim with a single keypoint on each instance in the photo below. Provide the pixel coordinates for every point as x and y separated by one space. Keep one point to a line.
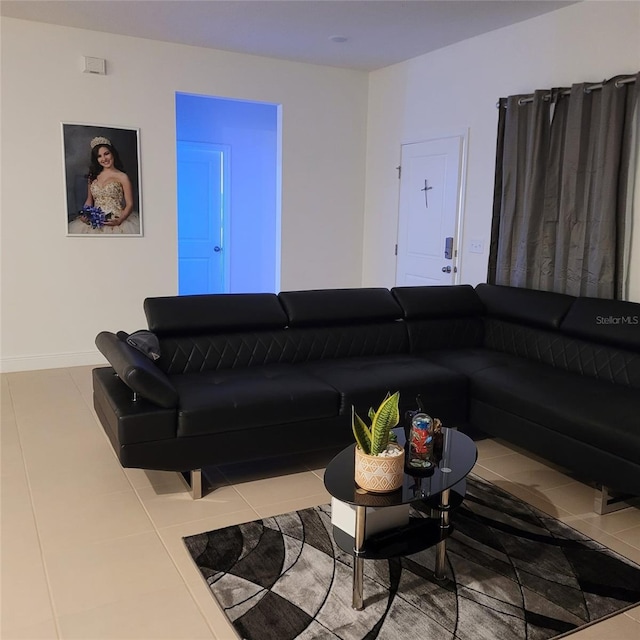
51 361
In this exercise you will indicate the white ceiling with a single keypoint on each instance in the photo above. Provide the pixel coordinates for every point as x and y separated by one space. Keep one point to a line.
378 32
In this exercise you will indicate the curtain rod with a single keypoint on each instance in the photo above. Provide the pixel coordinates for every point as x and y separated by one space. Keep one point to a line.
566 92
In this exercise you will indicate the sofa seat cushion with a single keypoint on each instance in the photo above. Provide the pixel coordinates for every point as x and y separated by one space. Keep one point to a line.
588 410
234 399
470 361
364 382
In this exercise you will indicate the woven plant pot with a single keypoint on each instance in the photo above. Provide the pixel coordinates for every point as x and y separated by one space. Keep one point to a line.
379 474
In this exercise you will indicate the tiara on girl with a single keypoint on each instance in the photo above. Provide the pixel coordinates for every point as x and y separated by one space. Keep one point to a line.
100 140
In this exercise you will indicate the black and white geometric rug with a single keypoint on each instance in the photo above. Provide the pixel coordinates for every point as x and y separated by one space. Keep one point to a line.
513 573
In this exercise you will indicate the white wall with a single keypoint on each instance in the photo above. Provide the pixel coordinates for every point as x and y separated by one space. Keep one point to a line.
457 88
59 292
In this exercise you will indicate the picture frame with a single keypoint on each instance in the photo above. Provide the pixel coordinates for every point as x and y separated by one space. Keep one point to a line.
88 151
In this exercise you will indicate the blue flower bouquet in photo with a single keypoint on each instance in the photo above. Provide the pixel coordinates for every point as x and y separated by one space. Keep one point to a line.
94 216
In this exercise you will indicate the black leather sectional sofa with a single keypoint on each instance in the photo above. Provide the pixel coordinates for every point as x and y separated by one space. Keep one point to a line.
250 376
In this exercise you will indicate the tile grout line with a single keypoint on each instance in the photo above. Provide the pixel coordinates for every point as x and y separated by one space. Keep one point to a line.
153 527
175 564
52 603
594 522
634 526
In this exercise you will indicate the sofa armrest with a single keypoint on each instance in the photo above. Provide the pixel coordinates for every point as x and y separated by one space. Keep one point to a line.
137 371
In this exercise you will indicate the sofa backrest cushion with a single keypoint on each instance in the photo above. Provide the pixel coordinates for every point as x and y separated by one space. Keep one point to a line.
203 333
612 322
597 360
445 333
339 306
445 317
453 301
342 323
543 309
226 350
189 354
212 313
347 341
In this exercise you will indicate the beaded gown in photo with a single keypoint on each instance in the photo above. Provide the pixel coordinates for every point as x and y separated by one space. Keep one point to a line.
110 198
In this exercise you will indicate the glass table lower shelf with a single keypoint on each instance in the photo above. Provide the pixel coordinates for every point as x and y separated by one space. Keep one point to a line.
420 533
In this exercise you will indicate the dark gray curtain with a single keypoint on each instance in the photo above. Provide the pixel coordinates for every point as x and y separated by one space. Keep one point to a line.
564 183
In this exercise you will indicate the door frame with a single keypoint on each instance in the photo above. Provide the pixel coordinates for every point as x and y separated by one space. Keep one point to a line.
430 136
225 152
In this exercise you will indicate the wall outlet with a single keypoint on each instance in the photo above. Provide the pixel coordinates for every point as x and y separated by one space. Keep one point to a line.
476 246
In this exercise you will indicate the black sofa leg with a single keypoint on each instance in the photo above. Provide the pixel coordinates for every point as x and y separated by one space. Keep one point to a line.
606 502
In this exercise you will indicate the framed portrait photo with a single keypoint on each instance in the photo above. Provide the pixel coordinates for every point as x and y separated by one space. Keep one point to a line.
102 180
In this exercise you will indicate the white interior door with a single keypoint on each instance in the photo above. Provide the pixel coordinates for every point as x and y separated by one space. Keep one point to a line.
430 179
202 257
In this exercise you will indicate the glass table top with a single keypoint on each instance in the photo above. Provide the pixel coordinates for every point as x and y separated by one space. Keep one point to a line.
455 456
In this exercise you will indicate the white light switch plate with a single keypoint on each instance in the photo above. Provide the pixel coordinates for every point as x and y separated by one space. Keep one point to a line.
476 246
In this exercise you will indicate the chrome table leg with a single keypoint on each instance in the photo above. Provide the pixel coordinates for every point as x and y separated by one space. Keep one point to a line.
358 560
441 548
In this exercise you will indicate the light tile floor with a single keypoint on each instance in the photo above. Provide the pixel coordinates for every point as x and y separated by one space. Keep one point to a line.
91 550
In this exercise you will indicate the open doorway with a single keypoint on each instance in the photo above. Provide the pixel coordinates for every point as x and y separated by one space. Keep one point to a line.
228 161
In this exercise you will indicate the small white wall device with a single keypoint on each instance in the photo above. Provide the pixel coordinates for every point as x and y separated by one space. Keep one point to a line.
95 65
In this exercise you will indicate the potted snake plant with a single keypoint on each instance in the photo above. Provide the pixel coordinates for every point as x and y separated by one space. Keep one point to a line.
379 461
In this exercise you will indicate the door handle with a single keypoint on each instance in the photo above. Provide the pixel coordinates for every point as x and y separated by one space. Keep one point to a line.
448 248
446 269
217 249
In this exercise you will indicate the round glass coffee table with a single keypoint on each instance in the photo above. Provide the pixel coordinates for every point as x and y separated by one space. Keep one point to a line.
434 493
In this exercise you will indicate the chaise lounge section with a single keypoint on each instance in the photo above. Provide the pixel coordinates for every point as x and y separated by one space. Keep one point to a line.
555 375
